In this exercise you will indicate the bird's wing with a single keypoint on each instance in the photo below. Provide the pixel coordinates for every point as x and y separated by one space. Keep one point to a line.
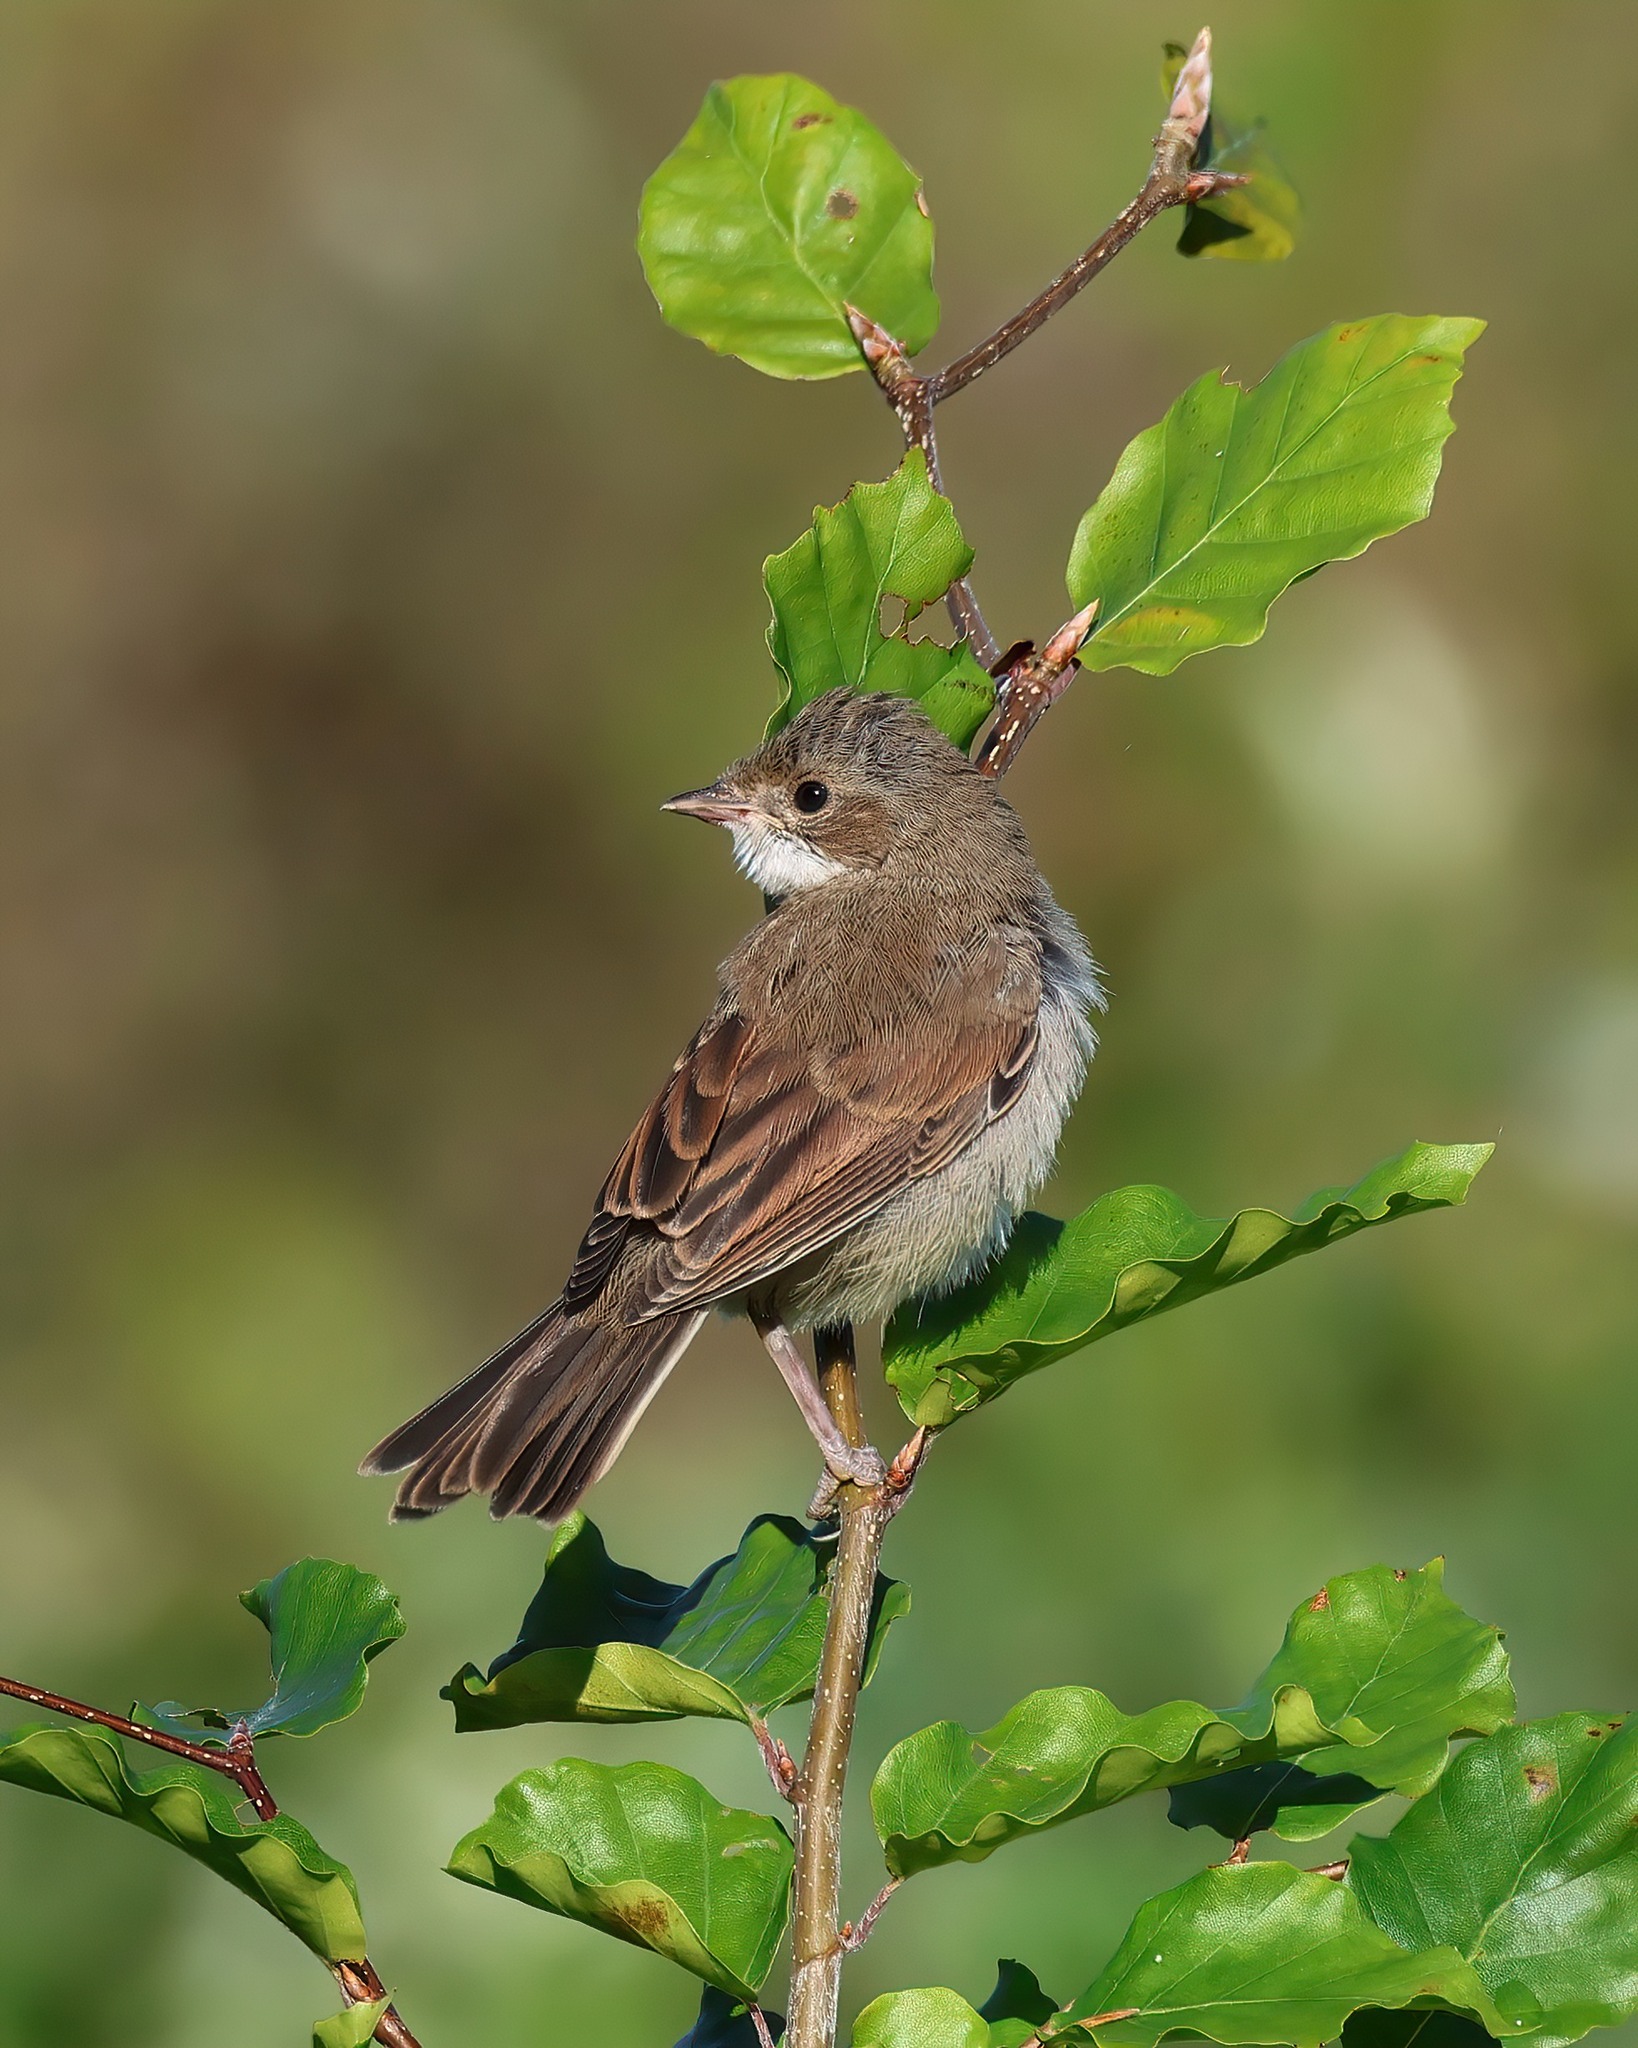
759 1150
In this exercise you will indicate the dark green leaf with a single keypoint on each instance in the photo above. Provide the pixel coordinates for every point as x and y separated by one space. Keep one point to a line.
1017 1995
1371 2027
646 1854
726 2022
602 1642
1060 1286
1376 1673
1235 494
275 1862
897 539
1253 223
1264 1953
1524 1858
352 2028
326 1621
777 210
1283 1797
920 2019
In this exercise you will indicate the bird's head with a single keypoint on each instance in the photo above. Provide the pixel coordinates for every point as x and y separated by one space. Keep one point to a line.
850 786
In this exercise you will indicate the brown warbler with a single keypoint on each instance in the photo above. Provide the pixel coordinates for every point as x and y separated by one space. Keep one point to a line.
877 1093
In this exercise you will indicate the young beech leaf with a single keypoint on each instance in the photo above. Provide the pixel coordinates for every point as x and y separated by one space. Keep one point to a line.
1060 1286
777 210
1524 1859
603 1642
1254 223
648 1855
1375 1675
325 1622
352 2028
920 2019
897 539
725 2022
1388 1650
1263 1952
1235 494
275 1862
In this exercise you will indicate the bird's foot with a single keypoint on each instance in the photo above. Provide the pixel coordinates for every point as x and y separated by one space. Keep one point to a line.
851 1465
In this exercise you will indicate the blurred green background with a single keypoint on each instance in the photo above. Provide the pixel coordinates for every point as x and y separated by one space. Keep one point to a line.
372 562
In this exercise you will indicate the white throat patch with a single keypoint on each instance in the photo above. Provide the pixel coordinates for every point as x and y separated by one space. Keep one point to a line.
778 862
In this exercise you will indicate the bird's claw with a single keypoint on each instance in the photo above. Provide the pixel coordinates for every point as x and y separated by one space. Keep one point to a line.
860 1465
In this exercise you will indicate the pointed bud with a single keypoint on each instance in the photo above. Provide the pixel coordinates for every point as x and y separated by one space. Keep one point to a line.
1065 644
1202 184
877 345
1191 97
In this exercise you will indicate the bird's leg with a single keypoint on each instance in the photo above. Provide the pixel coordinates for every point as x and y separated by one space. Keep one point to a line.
862 1466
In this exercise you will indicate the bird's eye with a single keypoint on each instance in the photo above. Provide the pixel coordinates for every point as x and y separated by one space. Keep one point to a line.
810 797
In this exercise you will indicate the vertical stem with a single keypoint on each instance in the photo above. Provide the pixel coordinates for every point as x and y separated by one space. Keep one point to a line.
816 1938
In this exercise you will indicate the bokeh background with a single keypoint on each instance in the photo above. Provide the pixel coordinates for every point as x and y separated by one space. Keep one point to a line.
373 561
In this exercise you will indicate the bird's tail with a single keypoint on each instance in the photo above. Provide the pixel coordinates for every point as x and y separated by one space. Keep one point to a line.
539 1422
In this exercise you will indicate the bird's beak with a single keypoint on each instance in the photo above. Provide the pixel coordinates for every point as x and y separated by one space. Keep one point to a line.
712 803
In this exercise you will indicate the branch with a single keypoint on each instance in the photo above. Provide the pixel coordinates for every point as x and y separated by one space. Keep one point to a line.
818 1940
910 397
361 1986
237 1761
1171 182
359 1983
1027 686
1031 684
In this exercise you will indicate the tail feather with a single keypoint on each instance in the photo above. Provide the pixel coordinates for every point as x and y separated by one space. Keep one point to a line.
538 1423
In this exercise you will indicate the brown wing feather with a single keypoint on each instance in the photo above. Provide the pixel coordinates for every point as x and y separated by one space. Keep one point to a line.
759 1150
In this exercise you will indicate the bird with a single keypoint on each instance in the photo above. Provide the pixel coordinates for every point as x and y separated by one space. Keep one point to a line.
874 1097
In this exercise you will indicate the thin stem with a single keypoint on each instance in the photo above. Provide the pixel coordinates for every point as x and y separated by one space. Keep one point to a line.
237 1761
361 1986
1027 692
1171 182
359 1983
857 1932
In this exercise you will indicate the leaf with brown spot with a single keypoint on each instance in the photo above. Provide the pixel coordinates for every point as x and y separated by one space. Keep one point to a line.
648 1855
1366 1689
1523 1858
778 210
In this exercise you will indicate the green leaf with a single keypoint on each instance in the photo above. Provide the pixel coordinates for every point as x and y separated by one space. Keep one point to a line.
326 1621
602 1642
1392 1651
897 539
1253 223
275 1862
1376 1673
1264 1953
1284 1798
1524 1859
352 2028
920 2019
1061 1286
648 1855
1236 493
725 2022
1017 1995
1017 2008
777 210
